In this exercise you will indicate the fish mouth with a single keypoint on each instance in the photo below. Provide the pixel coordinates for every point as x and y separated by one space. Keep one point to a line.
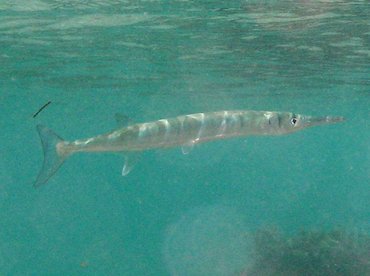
314 121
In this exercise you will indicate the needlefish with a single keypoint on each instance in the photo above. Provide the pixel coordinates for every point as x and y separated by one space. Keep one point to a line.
184 131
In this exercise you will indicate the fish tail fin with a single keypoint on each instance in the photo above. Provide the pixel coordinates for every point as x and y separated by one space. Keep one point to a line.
53 158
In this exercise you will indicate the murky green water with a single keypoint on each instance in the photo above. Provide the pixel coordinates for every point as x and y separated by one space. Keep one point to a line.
233 207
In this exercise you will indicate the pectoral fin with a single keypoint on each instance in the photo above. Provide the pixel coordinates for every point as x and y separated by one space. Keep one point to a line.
130 161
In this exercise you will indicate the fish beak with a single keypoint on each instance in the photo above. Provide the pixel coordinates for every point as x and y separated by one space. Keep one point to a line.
315 121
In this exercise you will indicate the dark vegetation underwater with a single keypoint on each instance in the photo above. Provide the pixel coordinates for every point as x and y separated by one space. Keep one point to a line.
316 252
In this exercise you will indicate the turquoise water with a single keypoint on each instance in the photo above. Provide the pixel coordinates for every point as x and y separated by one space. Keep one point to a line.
176 214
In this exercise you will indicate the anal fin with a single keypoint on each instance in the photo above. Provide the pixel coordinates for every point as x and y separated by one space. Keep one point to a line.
130 161
188 147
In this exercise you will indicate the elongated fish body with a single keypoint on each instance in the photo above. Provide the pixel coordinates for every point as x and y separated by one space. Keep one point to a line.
182 131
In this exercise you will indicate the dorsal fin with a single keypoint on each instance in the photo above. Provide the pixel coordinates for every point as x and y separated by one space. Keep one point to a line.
122 120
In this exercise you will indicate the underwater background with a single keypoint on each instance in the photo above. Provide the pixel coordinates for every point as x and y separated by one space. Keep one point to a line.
287 205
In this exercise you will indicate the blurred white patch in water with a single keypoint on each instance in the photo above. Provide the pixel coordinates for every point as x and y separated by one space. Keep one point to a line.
5 179
39 5
24 5
100 20
212 240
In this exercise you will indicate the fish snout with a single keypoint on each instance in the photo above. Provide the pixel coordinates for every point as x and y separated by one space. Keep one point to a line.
314 121
337 119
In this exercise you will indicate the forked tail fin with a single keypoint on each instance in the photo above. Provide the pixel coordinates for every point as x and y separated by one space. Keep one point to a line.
53 159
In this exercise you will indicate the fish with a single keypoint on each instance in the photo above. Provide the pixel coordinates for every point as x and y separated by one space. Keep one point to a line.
184 131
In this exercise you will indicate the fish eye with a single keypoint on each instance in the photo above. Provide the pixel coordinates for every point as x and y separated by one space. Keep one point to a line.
293 121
